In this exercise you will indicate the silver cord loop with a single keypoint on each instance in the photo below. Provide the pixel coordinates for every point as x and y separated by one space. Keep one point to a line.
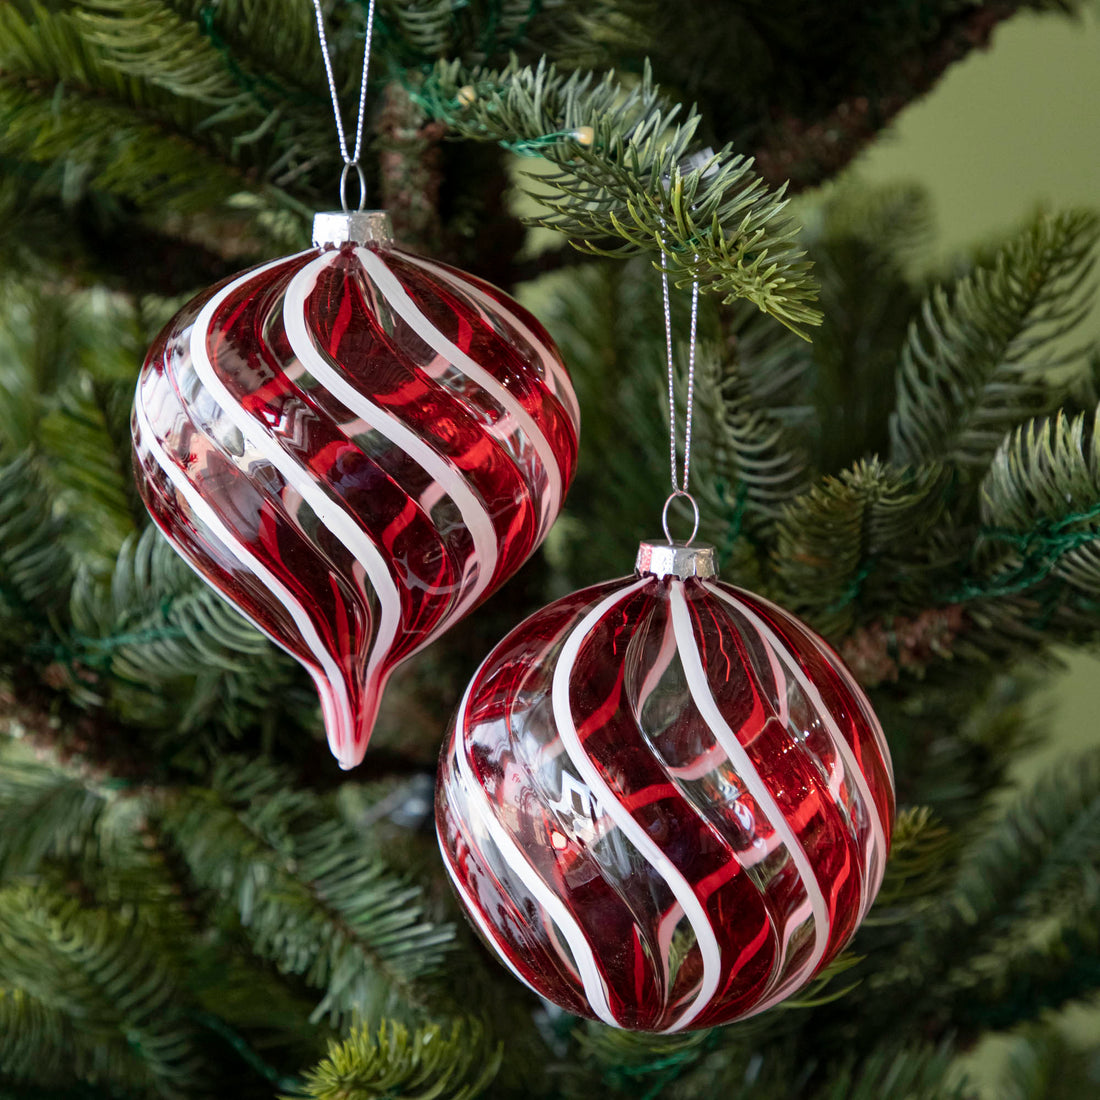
680 484
350 160
695 513
344 187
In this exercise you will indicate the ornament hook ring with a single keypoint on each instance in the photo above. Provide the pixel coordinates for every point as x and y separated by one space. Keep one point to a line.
695 513
348 166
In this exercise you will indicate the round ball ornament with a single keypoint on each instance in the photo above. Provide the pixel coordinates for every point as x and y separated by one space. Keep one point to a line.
356 446
664 802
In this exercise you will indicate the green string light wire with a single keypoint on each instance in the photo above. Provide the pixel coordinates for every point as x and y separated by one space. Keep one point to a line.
220 1028
533 147
1042 548
855 586
735 520
426 96
669 1067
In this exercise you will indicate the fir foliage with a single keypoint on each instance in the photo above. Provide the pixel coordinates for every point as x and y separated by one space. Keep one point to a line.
46 813
915 1073
621 190
846 537
35 568
105 1007
982 357
1041 498
748 434
427 1064
305 894
1041 854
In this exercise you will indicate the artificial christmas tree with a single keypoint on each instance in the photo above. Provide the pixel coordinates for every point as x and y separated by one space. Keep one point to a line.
194 900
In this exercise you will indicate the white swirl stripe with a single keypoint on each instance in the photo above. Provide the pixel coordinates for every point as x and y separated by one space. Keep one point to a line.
450 478
398 299
484 814
563 386
328 679
328 510
876 847
705 703
682 890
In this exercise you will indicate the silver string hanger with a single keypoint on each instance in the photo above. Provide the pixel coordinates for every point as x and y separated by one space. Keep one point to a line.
680 484
350 160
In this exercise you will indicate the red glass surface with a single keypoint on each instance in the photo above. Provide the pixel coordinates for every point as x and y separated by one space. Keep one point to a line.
665 804
355 446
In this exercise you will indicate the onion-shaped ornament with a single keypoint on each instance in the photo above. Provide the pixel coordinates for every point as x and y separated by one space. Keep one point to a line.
356 446
664 802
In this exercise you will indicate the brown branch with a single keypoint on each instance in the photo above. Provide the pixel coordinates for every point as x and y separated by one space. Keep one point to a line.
877 653
410 169
808 152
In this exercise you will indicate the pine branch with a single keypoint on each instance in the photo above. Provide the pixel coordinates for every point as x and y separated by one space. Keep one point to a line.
45 813
61 103
96 242
1041 503
88 464
51 124
1035 862
628 1062
262 37
42 1044
716 224
915 1073
980 361
1036 978
1034 855
873 519
146 38
307 896
258 117
428 1064
606 319
94 986
35 568
863 242
167 653
577 32
921 851
156 622
741 438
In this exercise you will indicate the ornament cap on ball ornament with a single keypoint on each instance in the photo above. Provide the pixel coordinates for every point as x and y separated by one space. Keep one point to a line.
676 559
339 227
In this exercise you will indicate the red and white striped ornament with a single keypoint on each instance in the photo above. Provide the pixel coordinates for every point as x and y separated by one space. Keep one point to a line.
356 446
664 802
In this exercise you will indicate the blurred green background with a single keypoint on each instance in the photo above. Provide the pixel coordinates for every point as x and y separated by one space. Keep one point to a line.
1006 131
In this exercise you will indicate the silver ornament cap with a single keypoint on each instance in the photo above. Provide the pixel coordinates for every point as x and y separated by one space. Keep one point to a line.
337 227
676 559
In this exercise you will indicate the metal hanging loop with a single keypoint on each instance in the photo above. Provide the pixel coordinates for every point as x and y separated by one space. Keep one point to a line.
344 187
694 510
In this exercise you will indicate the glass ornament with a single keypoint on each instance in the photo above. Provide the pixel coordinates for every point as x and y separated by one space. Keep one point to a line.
355 445
664 803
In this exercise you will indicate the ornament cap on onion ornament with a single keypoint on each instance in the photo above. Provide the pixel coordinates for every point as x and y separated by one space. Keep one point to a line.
356 446
664 802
